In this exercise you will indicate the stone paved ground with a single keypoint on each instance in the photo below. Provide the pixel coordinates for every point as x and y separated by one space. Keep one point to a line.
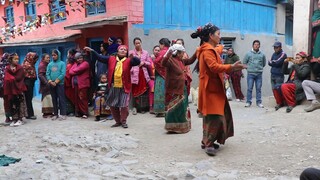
266 145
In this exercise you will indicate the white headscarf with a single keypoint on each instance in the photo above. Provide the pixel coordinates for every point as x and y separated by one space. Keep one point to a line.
175 48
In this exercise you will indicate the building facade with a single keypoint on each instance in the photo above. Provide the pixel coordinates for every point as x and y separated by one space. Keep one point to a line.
240 21
43 25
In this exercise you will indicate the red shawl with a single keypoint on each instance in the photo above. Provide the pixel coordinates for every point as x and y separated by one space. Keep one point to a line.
29 65
14 81
44 87
69 90
158 63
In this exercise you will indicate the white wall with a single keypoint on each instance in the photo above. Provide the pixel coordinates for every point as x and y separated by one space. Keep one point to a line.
281 19
301 25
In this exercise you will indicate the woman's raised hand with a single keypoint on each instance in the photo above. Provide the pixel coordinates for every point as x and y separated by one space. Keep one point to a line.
88 49
141 64
238 66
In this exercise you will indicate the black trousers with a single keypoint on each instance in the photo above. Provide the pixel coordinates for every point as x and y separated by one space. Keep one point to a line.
310 174
29 95
58 99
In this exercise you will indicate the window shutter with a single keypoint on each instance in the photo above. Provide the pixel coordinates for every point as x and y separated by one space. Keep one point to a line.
91 8
102 6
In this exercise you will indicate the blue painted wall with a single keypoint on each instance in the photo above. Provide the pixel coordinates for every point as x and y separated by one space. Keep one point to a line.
289 32
23 50
235 15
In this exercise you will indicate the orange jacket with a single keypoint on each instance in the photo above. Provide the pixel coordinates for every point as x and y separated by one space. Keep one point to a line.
212 95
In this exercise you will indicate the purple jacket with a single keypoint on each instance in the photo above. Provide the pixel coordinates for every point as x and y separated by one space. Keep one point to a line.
135 69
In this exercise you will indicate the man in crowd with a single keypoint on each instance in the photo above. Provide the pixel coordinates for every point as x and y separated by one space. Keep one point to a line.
255 61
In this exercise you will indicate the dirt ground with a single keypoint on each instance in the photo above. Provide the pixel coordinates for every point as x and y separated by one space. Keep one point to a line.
268 144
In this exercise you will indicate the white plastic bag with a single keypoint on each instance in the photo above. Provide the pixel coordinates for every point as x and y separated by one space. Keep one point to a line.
228 90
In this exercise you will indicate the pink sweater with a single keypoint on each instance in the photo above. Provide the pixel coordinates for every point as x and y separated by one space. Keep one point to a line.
82 71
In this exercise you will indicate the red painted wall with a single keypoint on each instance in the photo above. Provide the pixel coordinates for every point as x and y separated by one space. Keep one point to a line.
131 8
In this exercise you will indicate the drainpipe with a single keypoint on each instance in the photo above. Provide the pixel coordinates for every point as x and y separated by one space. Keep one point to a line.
242 20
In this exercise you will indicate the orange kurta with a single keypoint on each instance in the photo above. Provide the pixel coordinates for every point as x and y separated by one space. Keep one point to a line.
212 96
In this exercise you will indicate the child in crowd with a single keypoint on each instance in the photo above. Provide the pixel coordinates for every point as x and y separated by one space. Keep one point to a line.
46 99
119 41
100 105
14 89
56 71
80 73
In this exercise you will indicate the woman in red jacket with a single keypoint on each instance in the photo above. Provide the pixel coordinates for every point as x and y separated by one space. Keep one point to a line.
80 72
68 88
160 75
119 82
14 89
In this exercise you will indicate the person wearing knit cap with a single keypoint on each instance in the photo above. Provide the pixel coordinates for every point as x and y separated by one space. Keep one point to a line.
291 92
119 82
80 73
177 118
277 77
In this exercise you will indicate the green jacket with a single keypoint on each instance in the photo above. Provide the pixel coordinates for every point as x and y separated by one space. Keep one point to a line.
232 59
255 61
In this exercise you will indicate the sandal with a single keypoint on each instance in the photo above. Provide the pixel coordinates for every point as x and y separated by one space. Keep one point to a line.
84 117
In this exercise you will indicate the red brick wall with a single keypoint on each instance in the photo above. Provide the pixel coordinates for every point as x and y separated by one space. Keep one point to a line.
132 8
